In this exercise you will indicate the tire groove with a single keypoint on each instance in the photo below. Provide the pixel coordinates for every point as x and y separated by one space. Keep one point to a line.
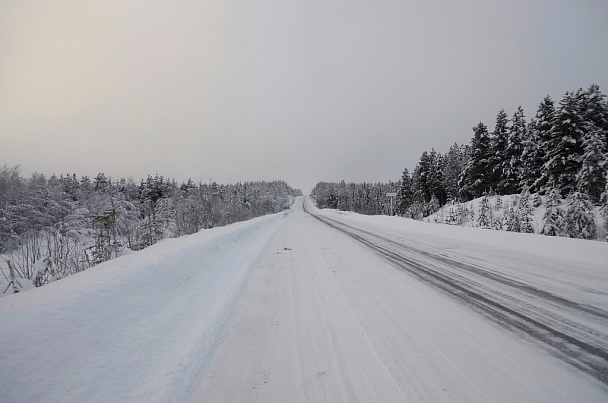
589 358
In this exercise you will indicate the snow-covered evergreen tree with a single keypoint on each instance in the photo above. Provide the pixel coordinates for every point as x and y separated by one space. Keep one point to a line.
511 221
450 217
454 161
580 218
526 212
592 175
542 132
531 158
498 161
484 218
471 213
433 205
604 210
566 145
512 165
405 193
591 178
594 109
498 205
553 220
477 176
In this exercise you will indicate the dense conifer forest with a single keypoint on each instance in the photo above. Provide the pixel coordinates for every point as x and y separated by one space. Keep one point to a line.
560 153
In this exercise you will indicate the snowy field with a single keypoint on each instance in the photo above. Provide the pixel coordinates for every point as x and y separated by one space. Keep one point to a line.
331 306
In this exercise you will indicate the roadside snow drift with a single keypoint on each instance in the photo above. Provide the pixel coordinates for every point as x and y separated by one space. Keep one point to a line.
138 328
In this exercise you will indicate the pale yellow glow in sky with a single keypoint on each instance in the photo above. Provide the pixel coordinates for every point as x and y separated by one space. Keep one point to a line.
62 57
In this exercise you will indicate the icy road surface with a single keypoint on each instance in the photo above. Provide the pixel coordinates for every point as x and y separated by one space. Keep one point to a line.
313 305
344 307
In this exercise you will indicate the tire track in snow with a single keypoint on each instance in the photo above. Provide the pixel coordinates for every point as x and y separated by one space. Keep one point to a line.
527 310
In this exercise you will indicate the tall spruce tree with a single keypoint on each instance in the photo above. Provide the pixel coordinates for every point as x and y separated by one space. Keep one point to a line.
604 210
543 132
566 145
591 178
435 180
498 145
513 154
531 158
477 176
405 194
423 177
594 109
453 166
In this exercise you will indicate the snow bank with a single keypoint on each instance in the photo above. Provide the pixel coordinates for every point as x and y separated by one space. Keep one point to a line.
138 328
564 266
499 212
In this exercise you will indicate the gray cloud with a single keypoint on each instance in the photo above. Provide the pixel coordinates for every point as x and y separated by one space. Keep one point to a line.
301 91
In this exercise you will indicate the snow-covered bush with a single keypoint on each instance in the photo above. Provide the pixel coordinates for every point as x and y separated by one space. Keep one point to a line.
511 220
13 283
526 215
484 218
498 205
580 218
553 220
45 272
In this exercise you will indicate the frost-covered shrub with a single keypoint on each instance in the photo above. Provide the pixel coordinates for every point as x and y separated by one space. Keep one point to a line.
511 221
13 283
526 212
580 218
450 217
471 213
432 206
484 218
499 205
45 271
553 220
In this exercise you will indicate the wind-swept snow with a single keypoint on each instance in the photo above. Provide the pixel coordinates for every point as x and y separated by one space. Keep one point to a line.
138 328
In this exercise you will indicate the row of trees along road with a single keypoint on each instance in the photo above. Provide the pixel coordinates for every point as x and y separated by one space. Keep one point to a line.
57 226
563 148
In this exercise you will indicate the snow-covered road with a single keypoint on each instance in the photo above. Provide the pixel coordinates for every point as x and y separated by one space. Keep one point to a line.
418 319
313 305
574 331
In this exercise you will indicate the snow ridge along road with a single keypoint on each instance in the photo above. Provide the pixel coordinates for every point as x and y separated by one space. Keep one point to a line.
575 332
139 328
331 315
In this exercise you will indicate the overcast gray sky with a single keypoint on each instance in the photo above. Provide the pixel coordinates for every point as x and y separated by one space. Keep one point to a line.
303 91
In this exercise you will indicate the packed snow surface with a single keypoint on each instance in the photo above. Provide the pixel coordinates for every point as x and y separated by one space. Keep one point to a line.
138 328
315 305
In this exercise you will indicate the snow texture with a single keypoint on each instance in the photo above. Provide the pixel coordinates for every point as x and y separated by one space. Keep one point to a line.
287 308
138 328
